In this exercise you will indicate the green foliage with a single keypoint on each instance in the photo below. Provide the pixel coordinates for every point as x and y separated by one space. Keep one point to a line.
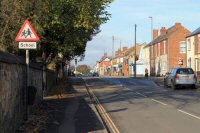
64 26
84 69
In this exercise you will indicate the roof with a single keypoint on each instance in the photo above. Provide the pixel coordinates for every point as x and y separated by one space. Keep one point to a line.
163 37
105 63
197 31
170 32
138 47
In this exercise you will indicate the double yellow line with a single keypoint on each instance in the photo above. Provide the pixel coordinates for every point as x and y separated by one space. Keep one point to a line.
111 127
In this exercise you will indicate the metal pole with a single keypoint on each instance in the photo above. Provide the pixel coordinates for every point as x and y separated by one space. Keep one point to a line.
112 70
152 45
152 58
135 52
27 84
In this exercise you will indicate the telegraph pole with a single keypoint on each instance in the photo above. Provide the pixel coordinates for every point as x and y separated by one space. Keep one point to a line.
152 51
112 70
135 52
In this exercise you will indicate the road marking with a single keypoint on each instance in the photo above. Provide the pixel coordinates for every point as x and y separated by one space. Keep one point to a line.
156 91
112 125
140 94
158 102
188 114
127 88
103 111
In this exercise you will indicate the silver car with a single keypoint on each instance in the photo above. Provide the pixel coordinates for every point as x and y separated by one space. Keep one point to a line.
180 77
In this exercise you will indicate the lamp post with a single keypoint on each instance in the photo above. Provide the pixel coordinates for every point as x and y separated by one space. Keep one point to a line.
135 53
152 51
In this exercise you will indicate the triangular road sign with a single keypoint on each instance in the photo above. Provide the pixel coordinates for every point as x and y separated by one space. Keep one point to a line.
27 33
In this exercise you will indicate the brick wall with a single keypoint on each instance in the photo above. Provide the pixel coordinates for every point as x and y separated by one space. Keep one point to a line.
12 90
175 48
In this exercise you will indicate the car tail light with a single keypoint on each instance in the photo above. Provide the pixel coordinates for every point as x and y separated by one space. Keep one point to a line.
177 77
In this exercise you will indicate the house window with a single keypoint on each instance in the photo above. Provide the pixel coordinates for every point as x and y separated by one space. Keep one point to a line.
121 60
189 45
158 49
164 47
182 47
117 60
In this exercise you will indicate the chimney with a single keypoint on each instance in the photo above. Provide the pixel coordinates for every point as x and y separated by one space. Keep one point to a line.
163 31
155 33
177 25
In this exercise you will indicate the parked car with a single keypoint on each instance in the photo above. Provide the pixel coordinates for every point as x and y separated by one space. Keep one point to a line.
179 77
95 74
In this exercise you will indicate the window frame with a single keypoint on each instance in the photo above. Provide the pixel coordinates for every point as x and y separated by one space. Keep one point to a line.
182 52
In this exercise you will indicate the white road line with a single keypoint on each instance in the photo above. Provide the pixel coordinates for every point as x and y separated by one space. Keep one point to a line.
127 88
140 94
158 102
188 114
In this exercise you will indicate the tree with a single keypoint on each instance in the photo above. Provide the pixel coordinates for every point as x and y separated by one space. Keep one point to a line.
64 26
84 69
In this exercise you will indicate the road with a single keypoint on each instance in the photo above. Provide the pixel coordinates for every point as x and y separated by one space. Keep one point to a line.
140 106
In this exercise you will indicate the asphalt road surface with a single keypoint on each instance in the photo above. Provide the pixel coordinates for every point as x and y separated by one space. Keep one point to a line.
140 106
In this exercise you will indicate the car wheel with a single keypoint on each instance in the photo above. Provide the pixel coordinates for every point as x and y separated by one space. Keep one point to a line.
194 87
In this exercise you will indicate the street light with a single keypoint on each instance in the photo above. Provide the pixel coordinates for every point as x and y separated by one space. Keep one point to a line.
152 58
135 52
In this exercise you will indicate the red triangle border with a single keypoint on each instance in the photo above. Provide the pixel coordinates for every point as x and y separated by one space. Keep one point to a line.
28 39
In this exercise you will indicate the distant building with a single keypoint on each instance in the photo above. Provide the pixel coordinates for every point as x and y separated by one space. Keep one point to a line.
129 58
105 65
167 49
143 61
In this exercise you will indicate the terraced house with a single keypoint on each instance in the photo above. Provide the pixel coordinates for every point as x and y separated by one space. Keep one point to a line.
168 48
193 51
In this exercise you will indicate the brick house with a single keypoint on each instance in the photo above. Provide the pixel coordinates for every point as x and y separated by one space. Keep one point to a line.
167 48
193 51
104 65
129 57
118 60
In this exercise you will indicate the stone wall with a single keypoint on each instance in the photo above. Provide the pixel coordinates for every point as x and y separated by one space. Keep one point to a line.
12 89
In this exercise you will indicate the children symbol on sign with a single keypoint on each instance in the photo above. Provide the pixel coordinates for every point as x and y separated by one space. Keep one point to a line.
26 33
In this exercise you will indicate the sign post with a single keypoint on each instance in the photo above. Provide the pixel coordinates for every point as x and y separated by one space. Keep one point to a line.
27 38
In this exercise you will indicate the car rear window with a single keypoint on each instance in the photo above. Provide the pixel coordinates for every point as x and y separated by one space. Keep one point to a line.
185 71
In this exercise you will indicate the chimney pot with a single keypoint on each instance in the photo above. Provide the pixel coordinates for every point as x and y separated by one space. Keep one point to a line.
163 31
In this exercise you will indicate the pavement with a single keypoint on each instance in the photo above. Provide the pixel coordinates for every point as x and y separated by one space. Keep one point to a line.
72 113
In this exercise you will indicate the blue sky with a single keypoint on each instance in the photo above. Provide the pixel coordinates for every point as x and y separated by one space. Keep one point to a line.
127 13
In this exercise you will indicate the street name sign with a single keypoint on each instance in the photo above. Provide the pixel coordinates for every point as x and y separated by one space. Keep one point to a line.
27 45
27 33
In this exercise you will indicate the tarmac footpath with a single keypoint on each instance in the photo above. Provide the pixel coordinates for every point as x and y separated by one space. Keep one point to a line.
69 110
